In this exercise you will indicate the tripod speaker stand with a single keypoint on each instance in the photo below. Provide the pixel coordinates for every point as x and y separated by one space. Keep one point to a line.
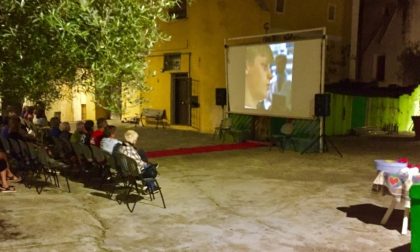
322 110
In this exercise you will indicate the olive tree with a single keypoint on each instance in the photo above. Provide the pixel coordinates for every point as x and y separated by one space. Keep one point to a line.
45 44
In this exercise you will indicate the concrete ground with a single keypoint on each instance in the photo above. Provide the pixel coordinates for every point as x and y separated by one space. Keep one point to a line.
241 200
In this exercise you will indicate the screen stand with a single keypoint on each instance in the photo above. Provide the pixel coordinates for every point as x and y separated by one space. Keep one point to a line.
323 141
223 111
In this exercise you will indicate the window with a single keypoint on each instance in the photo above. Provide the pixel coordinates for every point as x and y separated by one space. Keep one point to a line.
171 62
331 12
280 6
380 68
179 10
83 110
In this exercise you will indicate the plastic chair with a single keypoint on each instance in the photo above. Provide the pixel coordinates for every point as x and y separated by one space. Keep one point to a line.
285 137
223 129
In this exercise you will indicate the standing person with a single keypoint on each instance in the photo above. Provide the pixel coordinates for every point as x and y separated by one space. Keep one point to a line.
98 134
257 76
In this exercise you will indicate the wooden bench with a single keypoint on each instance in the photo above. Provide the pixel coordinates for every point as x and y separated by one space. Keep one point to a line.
158 115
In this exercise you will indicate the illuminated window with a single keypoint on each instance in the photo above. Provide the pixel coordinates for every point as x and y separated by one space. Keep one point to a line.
331 12
179 10
280 6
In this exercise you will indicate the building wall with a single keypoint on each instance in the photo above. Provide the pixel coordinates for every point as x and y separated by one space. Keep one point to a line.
70 106
304 14
200 39
413 27
380 36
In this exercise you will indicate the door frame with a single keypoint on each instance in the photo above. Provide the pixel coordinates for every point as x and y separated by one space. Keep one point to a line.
174 77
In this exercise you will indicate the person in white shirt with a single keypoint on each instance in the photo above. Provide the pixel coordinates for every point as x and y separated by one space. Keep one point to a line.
109 141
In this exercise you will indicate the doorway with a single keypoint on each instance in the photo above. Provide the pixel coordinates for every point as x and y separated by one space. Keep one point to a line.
181 95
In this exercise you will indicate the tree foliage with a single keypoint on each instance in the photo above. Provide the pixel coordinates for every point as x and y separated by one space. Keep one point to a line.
49 43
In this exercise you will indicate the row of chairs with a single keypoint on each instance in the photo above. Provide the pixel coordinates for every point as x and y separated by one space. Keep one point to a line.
115 169
32 161
57 156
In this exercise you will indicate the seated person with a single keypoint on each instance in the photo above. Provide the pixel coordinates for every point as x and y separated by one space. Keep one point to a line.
6 175
65 131
98 134
64 139
28 118
109 140
40 117
78 135
86 138
128 148
55 127
15 131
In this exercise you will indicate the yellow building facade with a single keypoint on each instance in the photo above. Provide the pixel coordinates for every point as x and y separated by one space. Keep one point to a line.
198 42
184 72
186 88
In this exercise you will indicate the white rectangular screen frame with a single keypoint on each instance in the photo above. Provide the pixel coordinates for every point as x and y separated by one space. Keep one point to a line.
305 77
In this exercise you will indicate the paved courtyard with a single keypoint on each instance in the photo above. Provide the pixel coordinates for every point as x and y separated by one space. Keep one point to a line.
241 200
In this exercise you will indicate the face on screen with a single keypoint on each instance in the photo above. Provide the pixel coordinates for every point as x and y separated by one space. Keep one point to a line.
258 76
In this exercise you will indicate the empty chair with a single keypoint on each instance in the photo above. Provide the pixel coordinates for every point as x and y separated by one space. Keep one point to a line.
51 167
285 137
225 128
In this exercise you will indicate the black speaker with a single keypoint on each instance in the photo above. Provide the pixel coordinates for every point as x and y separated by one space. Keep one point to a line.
322 104
221 96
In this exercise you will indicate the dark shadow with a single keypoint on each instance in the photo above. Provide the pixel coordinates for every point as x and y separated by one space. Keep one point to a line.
372 214
403 248
101 194
39 184
129 200
7 233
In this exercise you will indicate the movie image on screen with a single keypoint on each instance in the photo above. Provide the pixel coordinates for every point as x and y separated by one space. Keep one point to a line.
268 75
277 79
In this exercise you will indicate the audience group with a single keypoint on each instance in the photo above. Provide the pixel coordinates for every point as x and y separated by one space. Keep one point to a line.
26 127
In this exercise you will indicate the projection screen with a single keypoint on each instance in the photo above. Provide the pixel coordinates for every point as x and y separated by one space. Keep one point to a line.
277 79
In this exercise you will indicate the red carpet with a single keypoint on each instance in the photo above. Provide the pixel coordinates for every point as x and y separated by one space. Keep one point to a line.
203 149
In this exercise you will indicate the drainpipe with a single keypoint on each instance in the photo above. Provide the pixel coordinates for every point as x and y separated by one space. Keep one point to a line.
354 57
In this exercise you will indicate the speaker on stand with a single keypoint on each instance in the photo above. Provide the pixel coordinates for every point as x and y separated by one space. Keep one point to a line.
221 96
322 110
221 99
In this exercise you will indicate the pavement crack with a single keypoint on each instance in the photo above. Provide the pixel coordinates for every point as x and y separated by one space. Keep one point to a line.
102 226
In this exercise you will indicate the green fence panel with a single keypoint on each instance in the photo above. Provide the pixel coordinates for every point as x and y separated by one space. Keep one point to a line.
358 115
339 121
241 122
